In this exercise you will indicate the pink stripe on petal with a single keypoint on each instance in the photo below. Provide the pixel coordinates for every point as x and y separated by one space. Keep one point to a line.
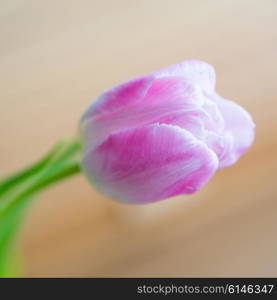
149 163
119 96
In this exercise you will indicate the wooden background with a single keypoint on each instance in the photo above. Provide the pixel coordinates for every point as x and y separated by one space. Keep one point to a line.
55 56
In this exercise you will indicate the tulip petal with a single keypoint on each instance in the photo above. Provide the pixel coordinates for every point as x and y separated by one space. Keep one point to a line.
239 129
149 163
119 96
168 100
195 71
116 98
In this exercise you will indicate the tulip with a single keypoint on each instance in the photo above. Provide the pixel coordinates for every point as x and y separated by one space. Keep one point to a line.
162 134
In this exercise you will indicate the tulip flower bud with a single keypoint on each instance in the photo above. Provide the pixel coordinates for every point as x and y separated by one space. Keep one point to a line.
162 134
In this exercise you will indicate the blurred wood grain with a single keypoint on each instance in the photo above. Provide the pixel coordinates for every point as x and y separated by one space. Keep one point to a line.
57 56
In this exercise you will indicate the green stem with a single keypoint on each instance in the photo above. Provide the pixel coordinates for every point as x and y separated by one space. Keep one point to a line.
51 176
61 152
21 176
69 150
17 190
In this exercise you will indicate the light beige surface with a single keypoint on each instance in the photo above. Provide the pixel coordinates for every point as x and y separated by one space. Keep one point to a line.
56 56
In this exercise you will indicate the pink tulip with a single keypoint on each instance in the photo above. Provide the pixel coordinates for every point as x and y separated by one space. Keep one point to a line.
162 134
